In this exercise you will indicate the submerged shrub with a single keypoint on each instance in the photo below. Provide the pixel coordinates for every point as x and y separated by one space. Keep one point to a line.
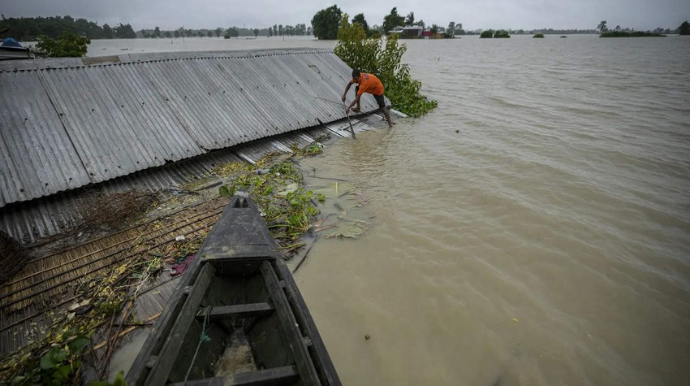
502 34
487 34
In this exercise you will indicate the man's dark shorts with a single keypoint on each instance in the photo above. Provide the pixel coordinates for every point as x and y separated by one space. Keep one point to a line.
379 98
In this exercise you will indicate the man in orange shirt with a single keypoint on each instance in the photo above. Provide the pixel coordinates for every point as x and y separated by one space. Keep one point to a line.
370 84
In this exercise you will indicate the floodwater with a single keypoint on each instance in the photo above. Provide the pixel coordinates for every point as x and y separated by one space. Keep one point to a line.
534 229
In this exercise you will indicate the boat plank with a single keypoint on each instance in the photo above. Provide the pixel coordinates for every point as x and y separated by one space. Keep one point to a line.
237 311
268 377
159 374
322 359
289 327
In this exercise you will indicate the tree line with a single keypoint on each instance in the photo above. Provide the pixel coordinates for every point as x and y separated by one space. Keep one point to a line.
327 21
683 29
31 28
275 30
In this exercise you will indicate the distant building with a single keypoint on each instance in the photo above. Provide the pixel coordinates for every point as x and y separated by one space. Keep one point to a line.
407 32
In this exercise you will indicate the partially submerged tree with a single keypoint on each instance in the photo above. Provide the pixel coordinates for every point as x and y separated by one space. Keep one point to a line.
410 19
392 20
684 28
602 26
383 59
362 21
67 45
325 23
501 34
487 34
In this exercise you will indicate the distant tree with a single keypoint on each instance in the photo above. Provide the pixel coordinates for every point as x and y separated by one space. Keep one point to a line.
487 34
310 31
602 26
124 31
177 33
68 45
410 19
218 31
157 32
434 29
684 28
233 32
256 32
501 34
30 28
392 20
168 34
359 18
325 23
275 29
209 33
617 29
281 31
270 32
420 23
451 30
301 29
107 31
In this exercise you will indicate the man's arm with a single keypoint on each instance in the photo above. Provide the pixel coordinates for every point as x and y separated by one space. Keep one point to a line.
346 90
354 102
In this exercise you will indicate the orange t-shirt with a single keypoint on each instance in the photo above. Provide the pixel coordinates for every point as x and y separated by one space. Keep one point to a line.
369 83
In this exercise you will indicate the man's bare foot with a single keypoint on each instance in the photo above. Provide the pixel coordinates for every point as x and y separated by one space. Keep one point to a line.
356 109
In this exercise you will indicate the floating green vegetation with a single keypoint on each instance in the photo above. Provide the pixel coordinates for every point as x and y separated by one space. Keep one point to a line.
636 34
278 191
340 214
313 149
538 36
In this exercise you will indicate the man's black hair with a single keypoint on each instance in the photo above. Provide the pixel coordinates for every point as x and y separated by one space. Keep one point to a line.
355 73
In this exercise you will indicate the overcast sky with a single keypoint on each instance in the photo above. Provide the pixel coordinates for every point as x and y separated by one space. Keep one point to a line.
473 14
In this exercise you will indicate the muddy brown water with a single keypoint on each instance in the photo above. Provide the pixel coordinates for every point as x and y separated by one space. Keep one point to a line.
533 230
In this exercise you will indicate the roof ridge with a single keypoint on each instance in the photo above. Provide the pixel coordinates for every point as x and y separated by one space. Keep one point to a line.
149 57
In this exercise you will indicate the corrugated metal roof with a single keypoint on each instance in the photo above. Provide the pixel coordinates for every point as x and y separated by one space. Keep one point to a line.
29 222
66 124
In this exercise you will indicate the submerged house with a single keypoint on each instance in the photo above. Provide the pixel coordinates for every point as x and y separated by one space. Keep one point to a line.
75 128
408 32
